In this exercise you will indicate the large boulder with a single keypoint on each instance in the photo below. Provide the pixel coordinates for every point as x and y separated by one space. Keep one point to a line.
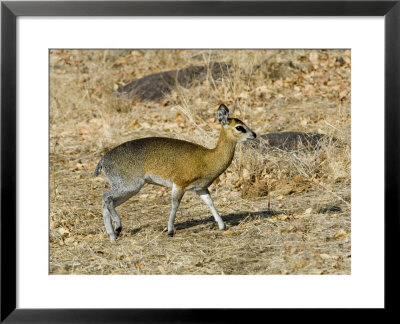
289 141
154 87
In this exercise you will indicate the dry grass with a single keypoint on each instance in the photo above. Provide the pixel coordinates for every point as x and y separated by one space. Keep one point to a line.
307 229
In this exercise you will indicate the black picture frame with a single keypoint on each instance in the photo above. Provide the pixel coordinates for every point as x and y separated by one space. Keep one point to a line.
9 13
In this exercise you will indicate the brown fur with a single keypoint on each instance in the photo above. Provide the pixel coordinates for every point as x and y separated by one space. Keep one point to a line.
182 162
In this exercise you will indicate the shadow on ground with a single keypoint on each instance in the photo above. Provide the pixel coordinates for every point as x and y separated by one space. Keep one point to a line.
230 220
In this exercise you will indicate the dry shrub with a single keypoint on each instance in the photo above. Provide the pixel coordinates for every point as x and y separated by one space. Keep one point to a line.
288 172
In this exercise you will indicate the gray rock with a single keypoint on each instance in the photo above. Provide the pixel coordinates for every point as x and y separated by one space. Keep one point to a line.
154 87
289 141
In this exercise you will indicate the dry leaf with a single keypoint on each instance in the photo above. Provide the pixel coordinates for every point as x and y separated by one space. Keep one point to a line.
53 224
70 240
343 94
282 216
243 95
121 60
84 130
324 256
340 234
301 263
95 123
145 125
314 57
63 231
303 122
298 178
134 124
245 173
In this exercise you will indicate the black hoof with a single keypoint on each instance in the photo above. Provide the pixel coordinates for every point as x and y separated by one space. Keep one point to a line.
171 234
118 230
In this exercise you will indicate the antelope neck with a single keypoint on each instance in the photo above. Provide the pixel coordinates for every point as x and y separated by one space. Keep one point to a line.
222 155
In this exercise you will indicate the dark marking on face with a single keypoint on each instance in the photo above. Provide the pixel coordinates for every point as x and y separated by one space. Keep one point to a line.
240 129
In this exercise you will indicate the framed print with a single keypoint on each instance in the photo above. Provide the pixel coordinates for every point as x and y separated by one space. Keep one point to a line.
239 141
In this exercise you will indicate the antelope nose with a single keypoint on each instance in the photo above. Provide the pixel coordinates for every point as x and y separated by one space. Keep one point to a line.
254 134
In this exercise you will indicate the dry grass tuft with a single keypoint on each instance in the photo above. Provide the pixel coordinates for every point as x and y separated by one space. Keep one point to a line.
306 230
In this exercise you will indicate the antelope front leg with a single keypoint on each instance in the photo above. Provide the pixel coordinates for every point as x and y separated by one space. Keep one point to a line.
177 194
205 196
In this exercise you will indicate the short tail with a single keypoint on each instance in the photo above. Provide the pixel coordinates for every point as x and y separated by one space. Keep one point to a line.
98 168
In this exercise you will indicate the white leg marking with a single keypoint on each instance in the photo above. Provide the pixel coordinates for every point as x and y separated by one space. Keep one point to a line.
107 222
177 195
114 198
205 196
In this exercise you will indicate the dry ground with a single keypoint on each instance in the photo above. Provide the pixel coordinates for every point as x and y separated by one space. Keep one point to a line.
307 229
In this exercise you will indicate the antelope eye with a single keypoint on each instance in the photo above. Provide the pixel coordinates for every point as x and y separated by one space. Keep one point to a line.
240 129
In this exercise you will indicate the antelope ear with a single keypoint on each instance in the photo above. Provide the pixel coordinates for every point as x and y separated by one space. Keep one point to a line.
223 114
